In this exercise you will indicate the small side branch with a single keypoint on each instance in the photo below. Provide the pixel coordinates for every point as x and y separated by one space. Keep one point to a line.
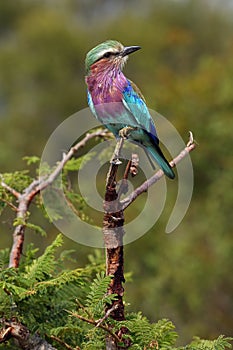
107 314
15 193
95 323
45 182
64 344
158 175
18 234
131 168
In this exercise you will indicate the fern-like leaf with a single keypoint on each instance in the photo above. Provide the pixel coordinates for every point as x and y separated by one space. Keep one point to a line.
98 297
221 343
145 335
42 267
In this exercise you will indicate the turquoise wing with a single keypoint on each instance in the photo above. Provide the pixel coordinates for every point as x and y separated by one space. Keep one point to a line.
91 104
135 103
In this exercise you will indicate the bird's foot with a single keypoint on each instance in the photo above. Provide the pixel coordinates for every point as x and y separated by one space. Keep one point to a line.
125 132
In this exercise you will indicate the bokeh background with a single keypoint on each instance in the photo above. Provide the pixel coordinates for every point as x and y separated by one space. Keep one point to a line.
185 71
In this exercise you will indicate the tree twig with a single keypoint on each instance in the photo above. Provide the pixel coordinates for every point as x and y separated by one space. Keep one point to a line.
15 193
157 176
105 328
108 312
67 346
50 179
131 168
11 205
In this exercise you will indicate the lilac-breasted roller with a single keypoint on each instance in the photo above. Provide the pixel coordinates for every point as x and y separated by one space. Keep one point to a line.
117 102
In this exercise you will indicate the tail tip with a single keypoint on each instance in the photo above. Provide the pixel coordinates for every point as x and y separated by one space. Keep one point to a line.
170 173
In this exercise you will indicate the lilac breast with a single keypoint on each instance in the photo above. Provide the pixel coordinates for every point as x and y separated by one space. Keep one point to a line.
106 92
106 86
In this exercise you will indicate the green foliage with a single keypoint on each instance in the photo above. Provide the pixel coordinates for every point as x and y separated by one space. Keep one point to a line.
40 291
21 180
68 304
31 160
4 258
36 228
75 164
220 343
42 267
18 180
98 297
143 334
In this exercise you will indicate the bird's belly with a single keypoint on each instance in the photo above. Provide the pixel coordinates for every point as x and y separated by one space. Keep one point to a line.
114 114
110 109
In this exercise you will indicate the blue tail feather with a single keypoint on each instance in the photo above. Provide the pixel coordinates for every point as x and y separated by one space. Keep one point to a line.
162 162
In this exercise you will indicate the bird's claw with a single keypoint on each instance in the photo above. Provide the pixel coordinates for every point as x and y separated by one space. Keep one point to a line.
125 132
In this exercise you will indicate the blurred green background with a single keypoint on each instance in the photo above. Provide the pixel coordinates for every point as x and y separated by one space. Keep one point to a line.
185 71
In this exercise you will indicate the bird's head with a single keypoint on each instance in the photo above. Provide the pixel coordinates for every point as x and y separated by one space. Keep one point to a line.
110 53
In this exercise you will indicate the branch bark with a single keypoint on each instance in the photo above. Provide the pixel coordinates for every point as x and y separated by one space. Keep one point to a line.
113 239
113 231
22 336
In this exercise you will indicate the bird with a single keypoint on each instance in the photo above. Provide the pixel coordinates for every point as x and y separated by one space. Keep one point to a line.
117 102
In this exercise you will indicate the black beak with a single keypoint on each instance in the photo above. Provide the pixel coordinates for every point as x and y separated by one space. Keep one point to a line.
129 49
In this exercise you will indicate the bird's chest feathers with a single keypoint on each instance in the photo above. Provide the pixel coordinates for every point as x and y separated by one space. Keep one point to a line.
106 87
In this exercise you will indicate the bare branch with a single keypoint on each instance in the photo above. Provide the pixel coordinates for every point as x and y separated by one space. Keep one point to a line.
67 346
15 193
46 182
157 176
18 235
12 206
105 328
108 312
134 164
131 168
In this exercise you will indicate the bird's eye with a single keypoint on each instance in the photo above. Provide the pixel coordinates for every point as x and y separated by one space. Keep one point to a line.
107 54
